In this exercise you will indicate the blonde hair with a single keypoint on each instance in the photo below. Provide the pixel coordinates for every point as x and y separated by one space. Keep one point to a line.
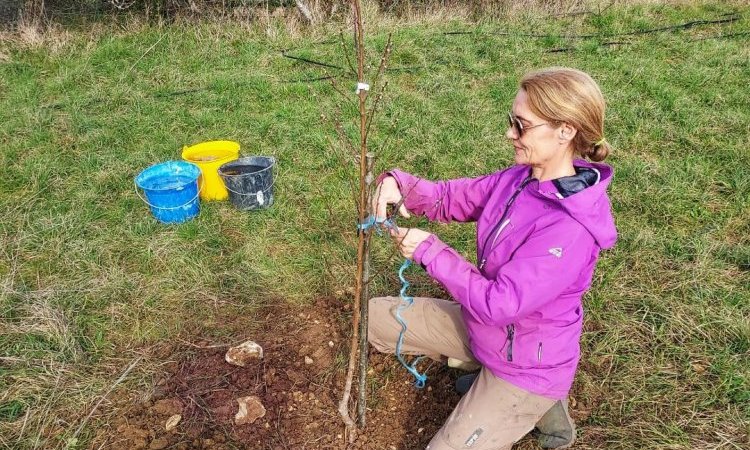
561 94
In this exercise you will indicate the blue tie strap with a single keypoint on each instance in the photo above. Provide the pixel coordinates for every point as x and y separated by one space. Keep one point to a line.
376 222
406 301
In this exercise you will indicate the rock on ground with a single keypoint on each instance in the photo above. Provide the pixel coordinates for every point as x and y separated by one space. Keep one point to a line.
251 409
241 354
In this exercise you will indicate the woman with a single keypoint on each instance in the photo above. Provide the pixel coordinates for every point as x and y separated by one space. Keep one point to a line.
540 227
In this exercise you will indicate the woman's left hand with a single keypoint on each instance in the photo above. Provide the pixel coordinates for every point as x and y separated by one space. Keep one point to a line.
408 239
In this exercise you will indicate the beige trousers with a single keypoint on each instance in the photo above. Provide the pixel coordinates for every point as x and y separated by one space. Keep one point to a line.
494 414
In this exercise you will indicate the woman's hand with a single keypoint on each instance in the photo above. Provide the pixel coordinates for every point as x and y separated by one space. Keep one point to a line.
408 239
387 193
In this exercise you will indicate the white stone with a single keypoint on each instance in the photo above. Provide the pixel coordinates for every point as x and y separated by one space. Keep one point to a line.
243 353
172 422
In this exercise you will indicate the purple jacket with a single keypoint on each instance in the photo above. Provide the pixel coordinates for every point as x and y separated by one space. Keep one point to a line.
522 302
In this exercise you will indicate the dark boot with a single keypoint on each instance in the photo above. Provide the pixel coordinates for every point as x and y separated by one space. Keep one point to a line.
464 382
556 429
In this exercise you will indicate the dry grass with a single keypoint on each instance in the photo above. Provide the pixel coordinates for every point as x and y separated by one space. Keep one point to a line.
35 31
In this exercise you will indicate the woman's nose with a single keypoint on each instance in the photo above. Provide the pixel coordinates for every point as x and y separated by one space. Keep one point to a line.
510 133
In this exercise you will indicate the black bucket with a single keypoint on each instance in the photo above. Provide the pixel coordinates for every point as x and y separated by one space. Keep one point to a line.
249 181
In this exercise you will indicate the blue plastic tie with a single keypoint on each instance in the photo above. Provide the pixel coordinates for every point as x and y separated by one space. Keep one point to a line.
376 222
406 300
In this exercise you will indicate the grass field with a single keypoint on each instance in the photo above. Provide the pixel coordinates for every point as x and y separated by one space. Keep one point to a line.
90 281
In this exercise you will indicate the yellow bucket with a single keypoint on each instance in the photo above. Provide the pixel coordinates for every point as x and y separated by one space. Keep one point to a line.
209 156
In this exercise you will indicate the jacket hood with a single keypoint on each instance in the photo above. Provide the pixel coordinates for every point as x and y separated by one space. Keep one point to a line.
591 206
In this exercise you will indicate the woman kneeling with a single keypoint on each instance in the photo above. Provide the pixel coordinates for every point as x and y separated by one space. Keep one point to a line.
517 313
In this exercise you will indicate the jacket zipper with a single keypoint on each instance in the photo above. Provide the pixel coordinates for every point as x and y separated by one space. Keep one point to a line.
499 231
511 331
501 224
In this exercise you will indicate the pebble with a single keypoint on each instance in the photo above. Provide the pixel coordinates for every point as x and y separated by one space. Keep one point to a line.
251 409
241 354
172 422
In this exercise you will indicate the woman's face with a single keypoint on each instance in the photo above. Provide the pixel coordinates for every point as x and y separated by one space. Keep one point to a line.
540 142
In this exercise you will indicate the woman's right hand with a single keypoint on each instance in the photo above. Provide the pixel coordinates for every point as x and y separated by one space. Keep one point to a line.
387 193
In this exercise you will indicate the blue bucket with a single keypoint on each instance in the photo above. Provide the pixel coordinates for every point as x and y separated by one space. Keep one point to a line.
171 190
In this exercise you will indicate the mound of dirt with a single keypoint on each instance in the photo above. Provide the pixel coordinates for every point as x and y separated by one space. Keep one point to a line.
298 382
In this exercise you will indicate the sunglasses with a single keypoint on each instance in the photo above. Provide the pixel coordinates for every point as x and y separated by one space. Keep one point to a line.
515 123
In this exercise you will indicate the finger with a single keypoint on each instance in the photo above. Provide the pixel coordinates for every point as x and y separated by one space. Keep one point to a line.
397 232
404 213
378 205
382 209
402 248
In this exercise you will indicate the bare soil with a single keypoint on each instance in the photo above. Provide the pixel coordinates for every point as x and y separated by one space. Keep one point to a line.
301 398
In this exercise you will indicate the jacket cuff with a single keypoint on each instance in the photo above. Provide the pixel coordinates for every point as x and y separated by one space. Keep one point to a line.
406 184
382 176
428 250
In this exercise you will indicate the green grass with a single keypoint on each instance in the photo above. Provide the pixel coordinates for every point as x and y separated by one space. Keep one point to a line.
89 280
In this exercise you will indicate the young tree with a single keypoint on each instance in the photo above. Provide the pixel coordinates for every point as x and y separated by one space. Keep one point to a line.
366 161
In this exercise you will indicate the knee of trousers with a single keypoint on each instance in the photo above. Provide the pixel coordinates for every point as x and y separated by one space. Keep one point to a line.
379 310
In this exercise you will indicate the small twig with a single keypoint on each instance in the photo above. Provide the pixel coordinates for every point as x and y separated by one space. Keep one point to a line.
309 61
338 89
142 56
374 109
353 155
23 427
346 53
603 10
383 60
111 388
342 134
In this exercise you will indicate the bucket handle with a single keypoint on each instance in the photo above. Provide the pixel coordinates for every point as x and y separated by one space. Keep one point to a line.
200 188
251 173
275 176
252 193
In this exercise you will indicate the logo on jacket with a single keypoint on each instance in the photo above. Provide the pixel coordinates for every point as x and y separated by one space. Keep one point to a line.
557 251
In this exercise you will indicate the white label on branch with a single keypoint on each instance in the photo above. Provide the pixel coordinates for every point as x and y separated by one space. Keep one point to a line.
362 87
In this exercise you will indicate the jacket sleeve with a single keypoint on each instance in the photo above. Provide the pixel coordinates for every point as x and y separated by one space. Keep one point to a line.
459 200
535 276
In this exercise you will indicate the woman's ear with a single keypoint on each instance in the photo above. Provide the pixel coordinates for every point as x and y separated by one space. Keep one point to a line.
567 132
